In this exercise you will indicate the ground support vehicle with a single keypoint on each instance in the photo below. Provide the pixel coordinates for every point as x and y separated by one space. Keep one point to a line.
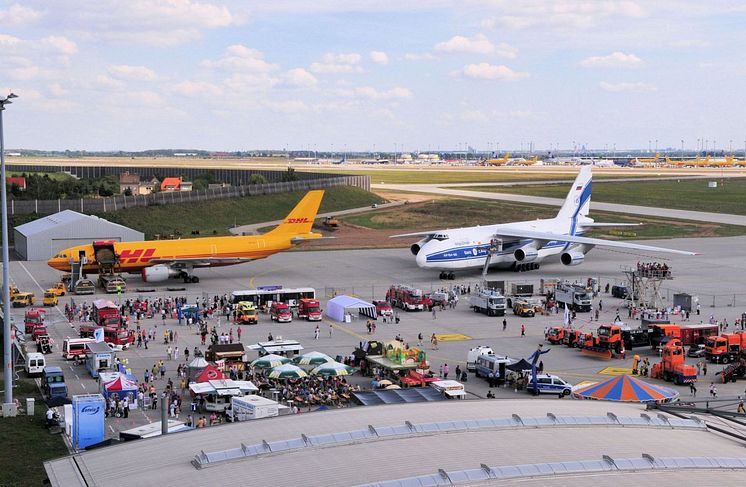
733 371
50 299
549 384
310 309
33 317
43 344
112 283
21 300
523 309
725 348
246 313
83 287
58 289
280 312
574 296
407 298
672 368
491 303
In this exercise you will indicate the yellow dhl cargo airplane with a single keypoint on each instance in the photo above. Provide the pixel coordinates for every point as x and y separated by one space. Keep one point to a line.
158 260
498 162
525 162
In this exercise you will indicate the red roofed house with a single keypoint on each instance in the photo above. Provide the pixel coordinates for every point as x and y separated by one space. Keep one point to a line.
19 181
175 184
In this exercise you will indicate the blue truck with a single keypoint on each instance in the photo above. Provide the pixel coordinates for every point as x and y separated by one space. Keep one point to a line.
53 383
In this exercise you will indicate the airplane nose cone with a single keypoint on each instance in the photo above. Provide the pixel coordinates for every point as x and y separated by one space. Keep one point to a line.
421 258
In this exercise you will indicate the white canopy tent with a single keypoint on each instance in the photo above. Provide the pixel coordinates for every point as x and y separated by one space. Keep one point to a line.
336 307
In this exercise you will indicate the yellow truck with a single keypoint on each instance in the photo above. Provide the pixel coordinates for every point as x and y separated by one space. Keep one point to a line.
246 313
50 298
523 308
21 300
58 289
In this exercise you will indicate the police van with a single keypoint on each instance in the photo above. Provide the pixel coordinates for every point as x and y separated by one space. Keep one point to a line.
549 384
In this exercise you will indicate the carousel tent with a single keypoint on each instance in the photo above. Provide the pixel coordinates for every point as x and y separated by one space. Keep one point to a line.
626 388
196 367
336 307
121 385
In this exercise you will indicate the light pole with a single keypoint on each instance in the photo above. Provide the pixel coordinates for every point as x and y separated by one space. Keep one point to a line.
7 354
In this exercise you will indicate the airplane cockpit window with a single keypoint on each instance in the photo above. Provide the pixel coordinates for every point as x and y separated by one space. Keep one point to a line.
440 236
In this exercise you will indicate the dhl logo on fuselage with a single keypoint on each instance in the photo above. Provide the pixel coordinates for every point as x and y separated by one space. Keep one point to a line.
127 256
297 220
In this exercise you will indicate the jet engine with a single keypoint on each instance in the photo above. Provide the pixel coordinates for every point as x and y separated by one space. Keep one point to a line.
527 253
572 258
158 273
415 248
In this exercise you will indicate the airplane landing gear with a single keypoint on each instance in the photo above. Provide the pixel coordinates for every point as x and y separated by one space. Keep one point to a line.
525 267
189 279
450 276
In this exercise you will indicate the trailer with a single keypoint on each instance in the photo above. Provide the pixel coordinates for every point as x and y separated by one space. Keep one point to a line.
246 408
491 303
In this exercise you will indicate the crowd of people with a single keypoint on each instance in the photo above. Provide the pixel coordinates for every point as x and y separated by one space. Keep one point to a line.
653 269
307 391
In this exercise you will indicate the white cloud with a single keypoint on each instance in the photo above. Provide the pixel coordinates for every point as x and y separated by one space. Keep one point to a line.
616 59
300 77
104 81
566 15
196 88
478 44
8 41
27 73
626 87
135 73
18 15
687 43
60 44
239 58
332 63
379 57
414 56
288 106
397 92
492 71
243 82
56 89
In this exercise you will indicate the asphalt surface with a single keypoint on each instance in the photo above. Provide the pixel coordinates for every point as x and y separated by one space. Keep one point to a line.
441 189
715 278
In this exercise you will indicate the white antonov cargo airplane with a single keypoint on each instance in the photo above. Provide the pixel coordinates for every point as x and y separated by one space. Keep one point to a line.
522 245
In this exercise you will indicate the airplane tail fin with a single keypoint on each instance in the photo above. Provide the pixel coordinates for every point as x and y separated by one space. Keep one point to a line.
578 200
300 219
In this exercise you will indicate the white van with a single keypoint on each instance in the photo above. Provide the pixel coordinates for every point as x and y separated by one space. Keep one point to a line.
35 363
471 356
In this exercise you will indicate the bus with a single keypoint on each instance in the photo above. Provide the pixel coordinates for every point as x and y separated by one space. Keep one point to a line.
264 297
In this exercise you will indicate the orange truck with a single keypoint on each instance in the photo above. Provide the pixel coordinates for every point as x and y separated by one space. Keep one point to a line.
725 348
673 367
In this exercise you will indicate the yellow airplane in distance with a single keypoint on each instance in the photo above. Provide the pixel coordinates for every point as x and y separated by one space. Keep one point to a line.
498 162
159 260
640 161
525 162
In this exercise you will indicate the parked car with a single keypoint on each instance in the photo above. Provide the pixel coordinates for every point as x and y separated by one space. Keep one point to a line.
549 384
696 351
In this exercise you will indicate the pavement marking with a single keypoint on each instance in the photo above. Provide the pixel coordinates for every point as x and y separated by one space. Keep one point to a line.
452 337
112 429
348 331
585 383
82 385
615 371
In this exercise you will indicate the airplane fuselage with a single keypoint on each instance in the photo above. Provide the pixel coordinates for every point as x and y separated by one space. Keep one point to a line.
467 248
134 256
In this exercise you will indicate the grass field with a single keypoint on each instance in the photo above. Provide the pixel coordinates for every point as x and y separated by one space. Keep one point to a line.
26 443
216 217
454 213
728 197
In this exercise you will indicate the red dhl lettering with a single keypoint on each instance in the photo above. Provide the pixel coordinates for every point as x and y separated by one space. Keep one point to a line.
297 220
133 256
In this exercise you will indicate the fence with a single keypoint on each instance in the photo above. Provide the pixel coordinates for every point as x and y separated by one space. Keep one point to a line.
114 203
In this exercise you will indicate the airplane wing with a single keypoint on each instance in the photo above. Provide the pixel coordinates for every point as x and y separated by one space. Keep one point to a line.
414 234
547 237
602 225
200 261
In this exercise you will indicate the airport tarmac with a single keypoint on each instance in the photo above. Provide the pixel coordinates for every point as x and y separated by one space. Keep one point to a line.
714 276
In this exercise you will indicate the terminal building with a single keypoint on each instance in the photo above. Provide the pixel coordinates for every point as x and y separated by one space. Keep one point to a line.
476 442
45 237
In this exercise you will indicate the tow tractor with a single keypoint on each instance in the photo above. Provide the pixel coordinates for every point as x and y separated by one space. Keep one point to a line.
673 368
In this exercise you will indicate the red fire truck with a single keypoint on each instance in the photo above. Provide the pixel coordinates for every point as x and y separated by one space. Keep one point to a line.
33 317
406 297
105 313
309 309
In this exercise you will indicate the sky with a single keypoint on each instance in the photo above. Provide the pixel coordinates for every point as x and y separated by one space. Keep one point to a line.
373 75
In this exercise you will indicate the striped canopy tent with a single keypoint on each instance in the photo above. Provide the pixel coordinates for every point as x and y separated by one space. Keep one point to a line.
287 371
626 388
269 361
333 369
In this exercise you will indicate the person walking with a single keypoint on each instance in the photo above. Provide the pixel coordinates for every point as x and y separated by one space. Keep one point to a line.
445 371
238 332
692 389
316 333
523 330
458 372
505 324
434 313
419 339
331 331
704 368
169 351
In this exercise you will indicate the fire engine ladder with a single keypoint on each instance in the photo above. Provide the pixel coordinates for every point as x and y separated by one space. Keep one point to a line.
495 246
645 287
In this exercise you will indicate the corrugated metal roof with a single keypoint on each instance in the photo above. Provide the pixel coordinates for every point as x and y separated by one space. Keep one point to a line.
65 217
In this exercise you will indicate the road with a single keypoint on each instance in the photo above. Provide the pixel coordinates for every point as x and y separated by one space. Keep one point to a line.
449 190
